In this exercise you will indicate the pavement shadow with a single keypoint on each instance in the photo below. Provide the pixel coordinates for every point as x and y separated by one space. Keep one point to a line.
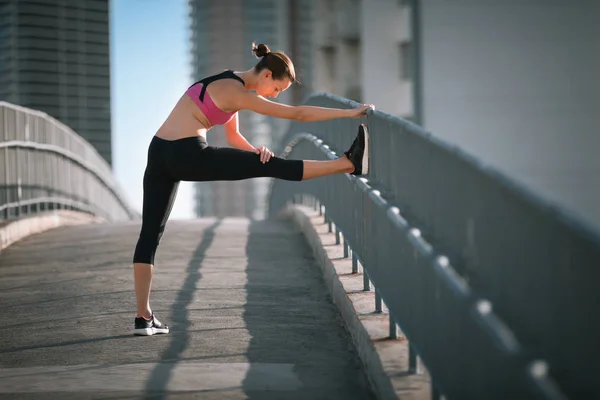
298 347
156 384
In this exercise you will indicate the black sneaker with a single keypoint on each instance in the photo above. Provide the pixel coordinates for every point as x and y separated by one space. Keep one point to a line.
143 327
359 151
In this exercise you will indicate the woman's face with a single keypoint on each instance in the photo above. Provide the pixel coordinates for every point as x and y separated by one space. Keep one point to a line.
269 87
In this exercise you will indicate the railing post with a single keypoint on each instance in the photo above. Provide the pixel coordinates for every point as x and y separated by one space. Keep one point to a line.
413 365
378 305
17 175
345 247
19 189
70 183
29 169
6 196
366 283
435 393
354 263
393 327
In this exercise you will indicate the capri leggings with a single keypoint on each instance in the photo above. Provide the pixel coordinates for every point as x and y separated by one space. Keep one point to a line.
191 159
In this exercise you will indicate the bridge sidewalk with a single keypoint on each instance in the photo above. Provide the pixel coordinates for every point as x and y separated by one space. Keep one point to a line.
249 314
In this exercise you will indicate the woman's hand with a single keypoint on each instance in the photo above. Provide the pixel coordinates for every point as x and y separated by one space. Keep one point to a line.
265 154
361 111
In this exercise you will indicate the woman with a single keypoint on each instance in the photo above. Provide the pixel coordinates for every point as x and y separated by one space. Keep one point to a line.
179 152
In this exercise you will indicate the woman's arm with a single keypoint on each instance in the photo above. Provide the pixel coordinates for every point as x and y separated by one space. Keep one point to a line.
234 137
253 102
314 113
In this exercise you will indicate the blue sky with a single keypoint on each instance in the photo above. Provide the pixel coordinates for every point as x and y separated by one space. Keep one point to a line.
150 70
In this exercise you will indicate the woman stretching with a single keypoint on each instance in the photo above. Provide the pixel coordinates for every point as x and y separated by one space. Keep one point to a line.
179 152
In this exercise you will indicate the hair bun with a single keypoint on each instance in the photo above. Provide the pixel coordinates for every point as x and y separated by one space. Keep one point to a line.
261 50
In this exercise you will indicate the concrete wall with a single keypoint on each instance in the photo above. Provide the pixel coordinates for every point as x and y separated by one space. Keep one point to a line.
516 83
337 53
383 28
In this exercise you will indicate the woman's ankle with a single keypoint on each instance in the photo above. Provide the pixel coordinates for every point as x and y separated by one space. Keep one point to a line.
145 314
348 166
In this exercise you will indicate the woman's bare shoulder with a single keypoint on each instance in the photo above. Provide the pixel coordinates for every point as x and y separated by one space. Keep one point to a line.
225 93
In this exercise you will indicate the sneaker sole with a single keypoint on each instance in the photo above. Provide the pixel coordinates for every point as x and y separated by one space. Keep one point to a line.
149 331
365 158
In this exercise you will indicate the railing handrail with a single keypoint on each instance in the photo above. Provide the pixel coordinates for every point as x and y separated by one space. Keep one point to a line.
95 170
451 237
90 161
573 221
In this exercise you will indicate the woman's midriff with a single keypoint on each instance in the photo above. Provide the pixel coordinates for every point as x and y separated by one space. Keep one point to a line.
186 120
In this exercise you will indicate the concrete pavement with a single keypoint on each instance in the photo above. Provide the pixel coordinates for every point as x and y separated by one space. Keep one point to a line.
249 314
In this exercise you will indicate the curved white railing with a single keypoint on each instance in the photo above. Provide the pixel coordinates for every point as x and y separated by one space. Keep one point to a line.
44 165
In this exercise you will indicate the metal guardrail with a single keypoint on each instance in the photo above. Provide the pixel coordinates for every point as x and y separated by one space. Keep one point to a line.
495 289
45 166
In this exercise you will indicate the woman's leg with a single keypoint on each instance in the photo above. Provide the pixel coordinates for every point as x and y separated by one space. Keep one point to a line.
316 169
228 164
159 195
193 160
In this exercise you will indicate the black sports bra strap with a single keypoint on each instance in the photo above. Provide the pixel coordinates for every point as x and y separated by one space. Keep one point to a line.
228 74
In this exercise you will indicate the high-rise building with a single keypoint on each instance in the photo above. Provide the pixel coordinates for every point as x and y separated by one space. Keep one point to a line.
512 83
222 32
337 51
54 57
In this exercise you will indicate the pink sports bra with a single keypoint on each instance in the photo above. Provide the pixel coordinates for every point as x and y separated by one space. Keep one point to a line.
197 93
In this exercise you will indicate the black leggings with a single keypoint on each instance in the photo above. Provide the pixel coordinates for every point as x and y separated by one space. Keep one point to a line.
191 159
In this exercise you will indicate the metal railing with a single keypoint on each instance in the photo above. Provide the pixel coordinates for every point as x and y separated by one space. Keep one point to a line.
495 289
45 166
